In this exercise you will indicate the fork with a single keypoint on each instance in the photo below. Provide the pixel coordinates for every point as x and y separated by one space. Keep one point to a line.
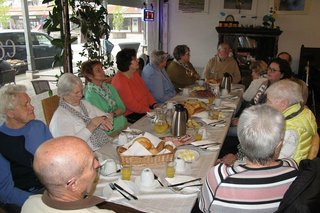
180 188
114 188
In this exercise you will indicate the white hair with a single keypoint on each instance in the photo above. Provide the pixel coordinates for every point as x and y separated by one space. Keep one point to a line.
66 84
8 98
286 90
260 130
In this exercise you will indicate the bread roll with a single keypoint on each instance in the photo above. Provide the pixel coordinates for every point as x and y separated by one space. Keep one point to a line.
154 151
169 147
144 142
121 149
160 146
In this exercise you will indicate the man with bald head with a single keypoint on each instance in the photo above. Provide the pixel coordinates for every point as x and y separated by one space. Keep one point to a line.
67 167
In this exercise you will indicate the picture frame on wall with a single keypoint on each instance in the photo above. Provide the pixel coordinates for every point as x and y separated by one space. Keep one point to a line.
193 6
240 7
292 7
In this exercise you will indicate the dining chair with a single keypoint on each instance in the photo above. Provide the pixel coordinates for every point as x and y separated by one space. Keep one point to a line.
49 106
40 86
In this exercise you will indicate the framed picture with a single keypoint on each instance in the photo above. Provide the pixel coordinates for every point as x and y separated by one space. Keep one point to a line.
241 7
291 6
193 6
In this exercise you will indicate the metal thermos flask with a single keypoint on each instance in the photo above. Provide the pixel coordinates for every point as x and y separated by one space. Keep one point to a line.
179 121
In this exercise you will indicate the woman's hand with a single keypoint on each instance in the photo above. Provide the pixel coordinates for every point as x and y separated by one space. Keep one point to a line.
105 122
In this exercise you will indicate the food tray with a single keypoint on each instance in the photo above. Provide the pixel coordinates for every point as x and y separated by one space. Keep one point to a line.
146 160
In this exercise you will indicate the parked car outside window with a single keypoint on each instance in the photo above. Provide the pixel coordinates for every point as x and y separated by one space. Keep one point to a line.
13 49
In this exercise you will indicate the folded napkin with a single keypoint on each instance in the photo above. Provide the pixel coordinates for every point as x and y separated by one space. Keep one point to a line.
203 114
203 142
182 178
228 104
112 195
136 149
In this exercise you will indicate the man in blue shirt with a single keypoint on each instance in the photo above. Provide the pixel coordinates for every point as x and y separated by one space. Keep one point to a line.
156 78
20 136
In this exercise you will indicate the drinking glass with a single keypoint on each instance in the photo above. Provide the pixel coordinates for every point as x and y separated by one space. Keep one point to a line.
170 170
126 172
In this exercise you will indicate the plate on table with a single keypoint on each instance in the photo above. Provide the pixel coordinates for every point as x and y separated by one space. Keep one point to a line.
154 185
194 123
188 154
111 195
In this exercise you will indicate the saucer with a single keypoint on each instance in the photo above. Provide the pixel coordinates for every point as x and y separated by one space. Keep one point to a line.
154 185
112 175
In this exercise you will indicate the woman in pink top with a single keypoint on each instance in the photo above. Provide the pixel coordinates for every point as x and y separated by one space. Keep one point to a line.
130 86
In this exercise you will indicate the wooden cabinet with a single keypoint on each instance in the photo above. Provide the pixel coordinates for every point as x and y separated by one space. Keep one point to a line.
250 43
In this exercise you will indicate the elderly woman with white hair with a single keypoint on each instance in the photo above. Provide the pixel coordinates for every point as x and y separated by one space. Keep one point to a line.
156 78
20 136
78 117
260 183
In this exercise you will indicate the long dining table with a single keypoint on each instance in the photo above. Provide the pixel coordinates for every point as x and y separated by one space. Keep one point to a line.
163 198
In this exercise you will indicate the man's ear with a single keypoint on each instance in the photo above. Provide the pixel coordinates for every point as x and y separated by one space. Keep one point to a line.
72 184
278 150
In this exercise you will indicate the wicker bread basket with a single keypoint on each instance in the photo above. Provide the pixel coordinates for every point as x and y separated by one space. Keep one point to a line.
146 160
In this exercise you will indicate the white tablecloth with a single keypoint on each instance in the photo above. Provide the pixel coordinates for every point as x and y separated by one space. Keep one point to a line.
164 199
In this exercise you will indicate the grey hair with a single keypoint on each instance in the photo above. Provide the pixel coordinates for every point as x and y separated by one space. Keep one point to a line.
67 82
286 90
260 130
8 98
157 57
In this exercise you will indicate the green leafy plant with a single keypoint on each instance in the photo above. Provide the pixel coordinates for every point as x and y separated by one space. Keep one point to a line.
269 19
118 18
4 18
90 16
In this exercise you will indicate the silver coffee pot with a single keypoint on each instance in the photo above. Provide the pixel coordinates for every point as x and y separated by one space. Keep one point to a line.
226 82
179 121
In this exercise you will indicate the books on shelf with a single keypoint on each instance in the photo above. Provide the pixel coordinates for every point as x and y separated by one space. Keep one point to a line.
246 42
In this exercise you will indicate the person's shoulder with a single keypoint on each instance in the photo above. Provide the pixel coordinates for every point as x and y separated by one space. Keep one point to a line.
37 123
288 162
32 202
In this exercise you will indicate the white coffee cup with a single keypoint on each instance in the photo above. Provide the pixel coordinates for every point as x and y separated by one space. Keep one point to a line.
180 164
185 92
200 82
109 167
217 102
224 92
170 105
147 177
122 139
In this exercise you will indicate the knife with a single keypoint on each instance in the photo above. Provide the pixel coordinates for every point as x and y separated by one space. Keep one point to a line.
189 181
119 187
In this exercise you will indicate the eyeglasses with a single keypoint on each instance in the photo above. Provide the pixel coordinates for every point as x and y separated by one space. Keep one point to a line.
272 69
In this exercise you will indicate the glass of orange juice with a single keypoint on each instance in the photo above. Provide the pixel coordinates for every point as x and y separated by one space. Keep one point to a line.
170 170
126 172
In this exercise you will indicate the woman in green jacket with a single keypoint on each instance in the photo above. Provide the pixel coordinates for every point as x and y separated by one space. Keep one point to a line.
103 95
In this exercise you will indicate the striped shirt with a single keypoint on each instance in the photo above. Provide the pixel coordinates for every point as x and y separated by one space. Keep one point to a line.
242 189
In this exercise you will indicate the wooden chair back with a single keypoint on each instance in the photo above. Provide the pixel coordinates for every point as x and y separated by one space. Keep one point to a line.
49 106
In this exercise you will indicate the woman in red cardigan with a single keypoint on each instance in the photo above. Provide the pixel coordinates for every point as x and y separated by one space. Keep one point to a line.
131 87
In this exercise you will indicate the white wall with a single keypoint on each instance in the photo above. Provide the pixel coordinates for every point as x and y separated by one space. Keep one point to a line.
197 30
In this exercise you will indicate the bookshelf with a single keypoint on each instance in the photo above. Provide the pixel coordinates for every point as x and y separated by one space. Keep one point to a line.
250 43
